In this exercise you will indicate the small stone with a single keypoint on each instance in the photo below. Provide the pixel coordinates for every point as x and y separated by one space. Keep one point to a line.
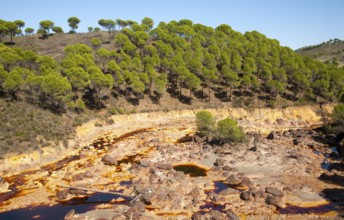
216 215
164 166
195 192
69 215
296 142
228 168
216 169
137 207
88 174
108 160
147 198
287 188
196 216
232 216
272 135
61 195
219 162
79 176
293 154
245 195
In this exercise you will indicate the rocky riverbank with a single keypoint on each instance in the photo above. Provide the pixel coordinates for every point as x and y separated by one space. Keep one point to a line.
154 168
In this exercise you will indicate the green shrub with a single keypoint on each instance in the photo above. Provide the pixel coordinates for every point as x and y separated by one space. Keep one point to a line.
97 124
205 123
271 103
113 111
338 119
228 130
79 105
110 121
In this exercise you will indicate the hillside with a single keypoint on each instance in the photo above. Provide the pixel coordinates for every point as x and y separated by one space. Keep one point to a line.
331 51
138 68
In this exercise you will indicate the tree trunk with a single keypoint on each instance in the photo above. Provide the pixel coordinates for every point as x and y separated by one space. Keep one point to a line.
181 87
209 93
190 93
150 88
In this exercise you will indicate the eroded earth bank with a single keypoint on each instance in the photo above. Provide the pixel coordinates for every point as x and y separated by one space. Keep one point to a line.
151 166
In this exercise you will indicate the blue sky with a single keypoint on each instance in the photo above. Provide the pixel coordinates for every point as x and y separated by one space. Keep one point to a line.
295 23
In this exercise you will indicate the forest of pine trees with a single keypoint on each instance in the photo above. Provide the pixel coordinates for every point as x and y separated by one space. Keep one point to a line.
179 57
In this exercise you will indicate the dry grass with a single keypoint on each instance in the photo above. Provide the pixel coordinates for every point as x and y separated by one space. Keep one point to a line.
25 127
54 45
325 51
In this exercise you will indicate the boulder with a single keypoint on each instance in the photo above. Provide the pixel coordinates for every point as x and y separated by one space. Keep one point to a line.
61 195
274 191
228 191
246 182
274 200
272 135
257 193
108 160
245 195
232 180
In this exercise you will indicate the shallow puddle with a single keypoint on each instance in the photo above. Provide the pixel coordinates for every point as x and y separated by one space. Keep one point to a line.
209 206
57 212
321 209
192 170
220 186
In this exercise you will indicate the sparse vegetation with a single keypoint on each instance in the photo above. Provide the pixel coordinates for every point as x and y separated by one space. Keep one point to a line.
337 125
25 127
330 52
225 130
